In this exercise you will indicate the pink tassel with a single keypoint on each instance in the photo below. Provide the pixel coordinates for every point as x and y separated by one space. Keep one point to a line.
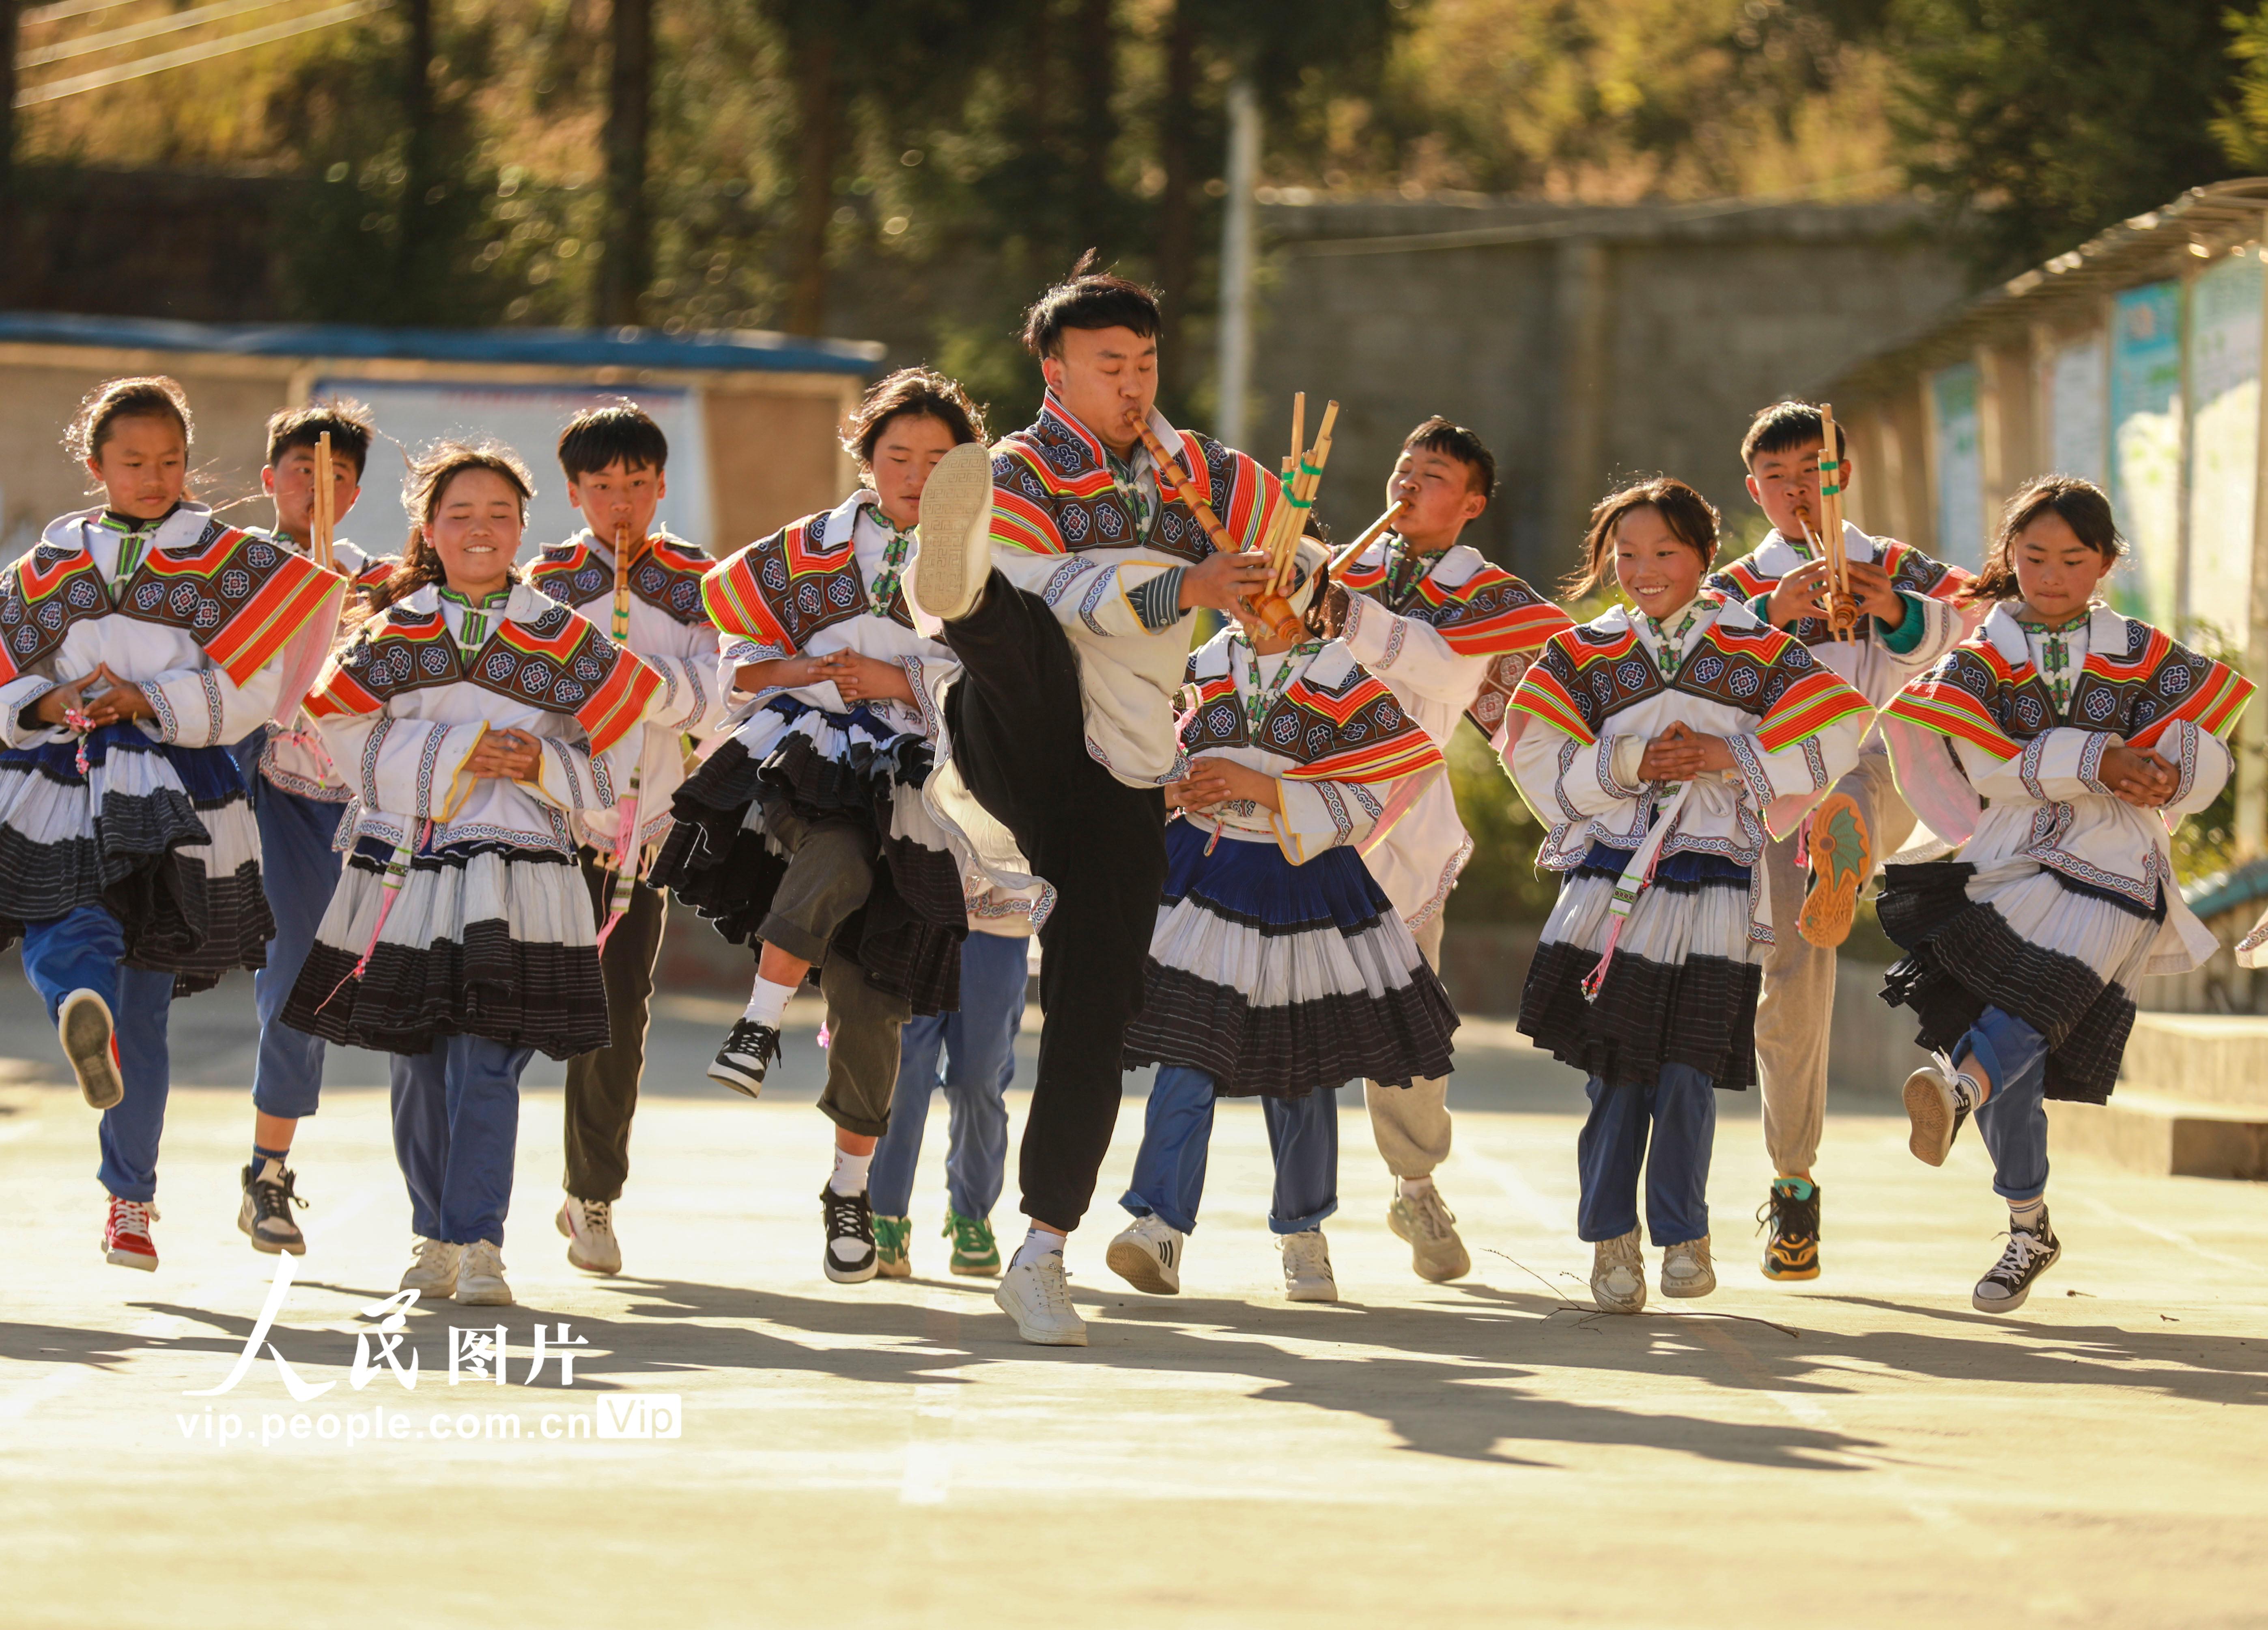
397 877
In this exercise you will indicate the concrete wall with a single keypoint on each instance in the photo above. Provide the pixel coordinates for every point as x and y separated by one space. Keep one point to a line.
1581 343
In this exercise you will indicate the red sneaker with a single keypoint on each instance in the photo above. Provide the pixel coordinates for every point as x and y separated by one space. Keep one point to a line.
126 1241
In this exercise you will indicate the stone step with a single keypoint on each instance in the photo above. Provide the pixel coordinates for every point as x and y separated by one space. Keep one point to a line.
2147 1132
2198 1059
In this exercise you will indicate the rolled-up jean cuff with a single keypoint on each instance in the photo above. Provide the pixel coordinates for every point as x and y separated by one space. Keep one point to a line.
792 939
1300 1224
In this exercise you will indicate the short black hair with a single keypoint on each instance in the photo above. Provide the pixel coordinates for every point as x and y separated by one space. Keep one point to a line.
1089 298
348 422
621 433
1454 440
1786 424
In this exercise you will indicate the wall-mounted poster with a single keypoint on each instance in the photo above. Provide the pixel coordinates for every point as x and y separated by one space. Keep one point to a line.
2146 444
2078 439
1957 448
2224 442
528 419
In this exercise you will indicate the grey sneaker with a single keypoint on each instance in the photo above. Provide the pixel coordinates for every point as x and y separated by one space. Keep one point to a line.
955 552
1686 1270
1424 1222
90 1040
265 1216
1618 1274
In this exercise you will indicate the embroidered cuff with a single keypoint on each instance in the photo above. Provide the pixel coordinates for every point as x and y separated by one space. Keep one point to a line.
2027 766
169 727
2185 768
25 724
1348 628
1157 602
930 720
1751 765
2090 765
1614 748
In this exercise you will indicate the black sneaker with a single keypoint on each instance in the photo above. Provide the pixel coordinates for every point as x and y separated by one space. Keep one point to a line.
1791 1213
848 1257
266 1214
747 1052
2029 1255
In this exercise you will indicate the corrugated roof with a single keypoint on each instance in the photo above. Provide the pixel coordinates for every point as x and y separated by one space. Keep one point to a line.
2202 224
711 351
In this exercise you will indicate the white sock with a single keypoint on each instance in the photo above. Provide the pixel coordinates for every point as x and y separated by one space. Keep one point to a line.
2026 1215
768 1002
1412 1187
1038 1242
850 1171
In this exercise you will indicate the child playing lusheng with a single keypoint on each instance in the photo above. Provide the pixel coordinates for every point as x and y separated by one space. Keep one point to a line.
1449 634
479 717
1663 744
806 831
613 458
1909 619
136 640
1280 968
296 796
2056 747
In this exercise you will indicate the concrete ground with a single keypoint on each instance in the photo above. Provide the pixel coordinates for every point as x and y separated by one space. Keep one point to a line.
1862 1450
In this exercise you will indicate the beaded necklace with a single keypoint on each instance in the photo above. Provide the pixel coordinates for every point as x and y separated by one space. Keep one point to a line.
883 591
2055 654
1672 651
1132 492
1262 699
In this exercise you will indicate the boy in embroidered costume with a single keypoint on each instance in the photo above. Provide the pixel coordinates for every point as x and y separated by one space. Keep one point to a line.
1664 745
1062 575
650 602
1450 635
2055 747
477 717
1279 966
971 1054
806 831
296 796
136 640
1910 617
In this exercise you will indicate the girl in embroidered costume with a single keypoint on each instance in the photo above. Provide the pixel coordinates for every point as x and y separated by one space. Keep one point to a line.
136 640
477 716
296 796
1663 745
806 831
1279 966
649 600
2054 748
1450 635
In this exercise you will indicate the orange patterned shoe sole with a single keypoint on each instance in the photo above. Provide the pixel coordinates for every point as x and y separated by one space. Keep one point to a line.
1842 858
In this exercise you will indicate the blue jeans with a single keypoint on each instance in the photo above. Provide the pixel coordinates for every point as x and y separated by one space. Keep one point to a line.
299 871
81 951
979 1045
1169 1171
456 1123
1679 1111
2014 1120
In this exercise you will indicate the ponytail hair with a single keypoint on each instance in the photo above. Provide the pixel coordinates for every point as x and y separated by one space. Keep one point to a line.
2084 509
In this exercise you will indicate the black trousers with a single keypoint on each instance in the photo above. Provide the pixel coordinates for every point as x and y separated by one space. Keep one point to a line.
1019 738
602 1087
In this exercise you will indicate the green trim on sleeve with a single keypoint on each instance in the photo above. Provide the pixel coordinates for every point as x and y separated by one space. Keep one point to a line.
1900 641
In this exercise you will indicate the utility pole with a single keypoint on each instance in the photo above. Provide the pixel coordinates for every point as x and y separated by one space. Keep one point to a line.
1239 254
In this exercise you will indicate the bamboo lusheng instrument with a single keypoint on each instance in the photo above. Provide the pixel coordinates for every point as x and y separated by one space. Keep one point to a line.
320 519
1371 534
1842 605
625 862
1282 541
1172 483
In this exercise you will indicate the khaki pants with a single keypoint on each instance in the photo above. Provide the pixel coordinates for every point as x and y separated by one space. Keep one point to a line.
1797 1008
1411 1124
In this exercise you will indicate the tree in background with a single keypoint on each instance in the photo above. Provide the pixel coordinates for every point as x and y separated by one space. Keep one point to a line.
2040 123
627 267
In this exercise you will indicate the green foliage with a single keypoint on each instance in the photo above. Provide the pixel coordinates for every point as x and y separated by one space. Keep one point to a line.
2040 123
1500 882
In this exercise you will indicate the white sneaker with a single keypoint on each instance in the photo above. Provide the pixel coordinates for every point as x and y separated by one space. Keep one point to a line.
1686 1270
1037 1297
955 552
1618 1274
1147 1255
589 1225
1936 1105
1308 1267
1425 1223
434 1276
82 1024
480 1280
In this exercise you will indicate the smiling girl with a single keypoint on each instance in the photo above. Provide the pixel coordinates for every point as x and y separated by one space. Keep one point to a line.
1662 743
475 717
137 638
2056 747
